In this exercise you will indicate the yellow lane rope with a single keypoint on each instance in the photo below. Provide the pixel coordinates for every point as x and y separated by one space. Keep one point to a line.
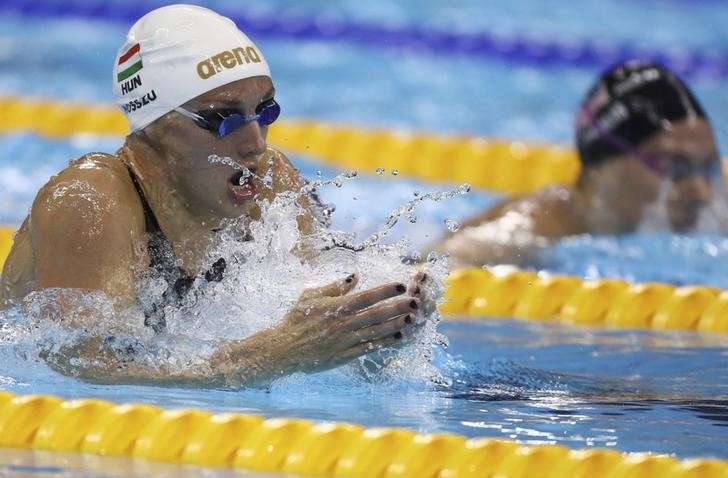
511 167
506 292
512 293
6 242
291 445
500 165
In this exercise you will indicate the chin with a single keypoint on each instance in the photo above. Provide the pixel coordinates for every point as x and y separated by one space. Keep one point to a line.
684 224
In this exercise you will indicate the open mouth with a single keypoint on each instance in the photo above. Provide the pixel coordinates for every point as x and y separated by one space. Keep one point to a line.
240 186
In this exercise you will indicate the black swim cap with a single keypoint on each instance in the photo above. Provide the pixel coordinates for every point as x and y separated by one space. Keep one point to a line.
629 104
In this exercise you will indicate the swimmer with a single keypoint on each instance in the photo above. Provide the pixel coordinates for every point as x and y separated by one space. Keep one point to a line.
639 128
199 99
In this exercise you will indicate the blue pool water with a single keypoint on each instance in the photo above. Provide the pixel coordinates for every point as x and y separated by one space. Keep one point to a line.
635 391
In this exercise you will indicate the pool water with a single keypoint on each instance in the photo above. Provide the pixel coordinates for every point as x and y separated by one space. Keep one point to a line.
537 383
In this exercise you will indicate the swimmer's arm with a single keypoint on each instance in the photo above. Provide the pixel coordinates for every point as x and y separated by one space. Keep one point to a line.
252 361
110 360
328 327
85 226
513 232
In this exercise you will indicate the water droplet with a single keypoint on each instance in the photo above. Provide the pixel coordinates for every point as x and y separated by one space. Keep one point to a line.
245 176
464 188
319 173
432 256
380 171
395 172
416 193
452 225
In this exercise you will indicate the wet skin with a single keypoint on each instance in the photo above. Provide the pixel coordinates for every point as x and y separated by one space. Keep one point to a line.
609 198
86 231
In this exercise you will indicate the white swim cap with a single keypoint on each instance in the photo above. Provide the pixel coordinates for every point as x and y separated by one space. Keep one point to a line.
175 53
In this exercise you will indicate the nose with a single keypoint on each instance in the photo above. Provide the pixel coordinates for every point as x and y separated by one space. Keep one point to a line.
249 141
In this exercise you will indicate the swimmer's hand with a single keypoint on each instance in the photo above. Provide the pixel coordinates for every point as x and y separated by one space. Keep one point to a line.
327 327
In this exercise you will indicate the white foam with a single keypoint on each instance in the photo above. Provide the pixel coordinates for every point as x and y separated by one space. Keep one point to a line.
263 279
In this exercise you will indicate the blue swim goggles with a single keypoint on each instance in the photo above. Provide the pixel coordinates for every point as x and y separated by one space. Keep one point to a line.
223 121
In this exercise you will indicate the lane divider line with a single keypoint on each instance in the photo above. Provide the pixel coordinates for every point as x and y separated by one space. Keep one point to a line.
504 292
499 165
503 166
293 445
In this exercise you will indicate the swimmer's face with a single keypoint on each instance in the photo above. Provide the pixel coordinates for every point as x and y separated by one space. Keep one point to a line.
685 157
207 169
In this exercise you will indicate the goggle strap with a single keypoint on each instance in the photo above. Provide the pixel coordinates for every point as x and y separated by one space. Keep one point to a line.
190 114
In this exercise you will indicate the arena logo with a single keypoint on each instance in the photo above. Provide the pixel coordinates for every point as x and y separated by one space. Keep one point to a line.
227 59
139 103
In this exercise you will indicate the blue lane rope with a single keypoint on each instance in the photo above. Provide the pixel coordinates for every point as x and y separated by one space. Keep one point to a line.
484 45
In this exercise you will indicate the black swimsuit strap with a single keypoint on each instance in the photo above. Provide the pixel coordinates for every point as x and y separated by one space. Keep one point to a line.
161 258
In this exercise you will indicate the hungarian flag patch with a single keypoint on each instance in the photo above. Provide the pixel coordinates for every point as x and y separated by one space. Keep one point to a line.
129 63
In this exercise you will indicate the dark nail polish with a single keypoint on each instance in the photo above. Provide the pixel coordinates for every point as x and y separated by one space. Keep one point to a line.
417 290
413 304
408 319
350 278
401 288
398 335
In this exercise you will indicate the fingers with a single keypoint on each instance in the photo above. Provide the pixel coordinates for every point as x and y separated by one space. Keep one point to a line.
380 313
335 289
367 298
368 347
383 330
418 288
416 283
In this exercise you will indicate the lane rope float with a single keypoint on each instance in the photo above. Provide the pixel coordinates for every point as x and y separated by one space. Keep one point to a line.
292 445
6 242
507 292
500 165
511 167
532 50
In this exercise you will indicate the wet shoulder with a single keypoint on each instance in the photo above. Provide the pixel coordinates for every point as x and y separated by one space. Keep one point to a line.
93 190
549 212
554 212
95 175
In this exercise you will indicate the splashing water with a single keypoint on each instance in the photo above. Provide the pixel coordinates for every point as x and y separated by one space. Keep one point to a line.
406 210
655 216
452 225
263 279
714 215
225 160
